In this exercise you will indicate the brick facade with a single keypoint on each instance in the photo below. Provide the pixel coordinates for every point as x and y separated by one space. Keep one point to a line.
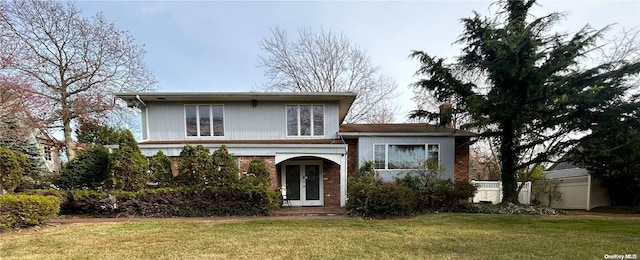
461 161
352 156
331 183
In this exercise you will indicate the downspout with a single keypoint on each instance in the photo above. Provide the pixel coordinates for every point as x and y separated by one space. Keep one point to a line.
146 121
139 99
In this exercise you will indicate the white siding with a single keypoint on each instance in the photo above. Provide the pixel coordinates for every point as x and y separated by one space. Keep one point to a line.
447 152
242 121
254 151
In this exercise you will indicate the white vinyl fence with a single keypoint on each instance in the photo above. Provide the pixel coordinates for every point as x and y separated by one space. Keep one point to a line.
492 191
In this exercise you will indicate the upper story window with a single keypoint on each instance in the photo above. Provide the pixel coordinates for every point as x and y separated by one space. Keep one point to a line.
404 156
47 153
204 120
305 120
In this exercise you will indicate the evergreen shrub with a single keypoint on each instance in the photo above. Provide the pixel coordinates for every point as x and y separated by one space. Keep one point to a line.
371 197
12 167
89 170
27 210
234 200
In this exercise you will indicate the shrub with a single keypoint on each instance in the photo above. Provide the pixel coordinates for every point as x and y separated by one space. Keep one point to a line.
128 169
506 209
258 174
239 200
27 210
195 163
235 200
545 191
88 170
433 192
370 197
12 167
88 202
160 167
225 168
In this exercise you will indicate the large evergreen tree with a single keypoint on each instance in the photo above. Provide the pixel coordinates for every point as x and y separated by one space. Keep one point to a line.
535 92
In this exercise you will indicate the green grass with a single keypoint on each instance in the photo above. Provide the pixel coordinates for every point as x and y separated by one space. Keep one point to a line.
434 236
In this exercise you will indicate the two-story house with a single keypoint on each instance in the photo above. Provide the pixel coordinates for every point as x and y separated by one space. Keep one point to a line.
298 135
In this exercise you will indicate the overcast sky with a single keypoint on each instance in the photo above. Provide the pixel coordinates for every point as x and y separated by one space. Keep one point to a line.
213 46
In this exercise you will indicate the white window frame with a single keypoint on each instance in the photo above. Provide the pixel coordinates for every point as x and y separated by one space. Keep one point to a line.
386 154
211 130
324 125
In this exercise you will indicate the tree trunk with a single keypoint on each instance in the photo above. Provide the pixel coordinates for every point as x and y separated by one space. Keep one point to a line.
508 161
69 144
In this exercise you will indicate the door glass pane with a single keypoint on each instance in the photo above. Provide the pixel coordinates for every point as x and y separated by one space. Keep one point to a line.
292 120
205 121
305 120
312 190
191 117
318 120
293 182
218 120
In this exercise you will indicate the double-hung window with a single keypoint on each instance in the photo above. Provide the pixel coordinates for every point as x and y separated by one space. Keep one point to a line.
204 120
305 120
47 153
404 156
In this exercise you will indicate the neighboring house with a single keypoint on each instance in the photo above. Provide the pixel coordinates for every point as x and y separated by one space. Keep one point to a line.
298 135
19 132
579 190
50 152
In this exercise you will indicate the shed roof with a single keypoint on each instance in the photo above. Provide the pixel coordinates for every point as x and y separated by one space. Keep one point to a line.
567 173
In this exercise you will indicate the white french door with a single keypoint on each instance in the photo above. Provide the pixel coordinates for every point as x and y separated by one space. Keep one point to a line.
303 181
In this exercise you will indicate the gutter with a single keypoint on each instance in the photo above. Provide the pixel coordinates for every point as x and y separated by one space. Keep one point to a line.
372 134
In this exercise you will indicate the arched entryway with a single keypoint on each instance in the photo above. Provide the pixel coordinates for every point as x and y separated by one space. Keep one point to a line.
310 181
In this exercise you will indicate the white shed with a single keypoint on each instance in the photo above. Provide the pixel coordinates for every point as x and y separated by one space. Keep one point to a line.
579 190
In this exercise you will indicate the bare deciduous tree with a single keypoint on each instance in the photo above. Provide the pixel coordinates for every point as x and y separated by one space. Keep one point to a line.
620 47
72 62
326 62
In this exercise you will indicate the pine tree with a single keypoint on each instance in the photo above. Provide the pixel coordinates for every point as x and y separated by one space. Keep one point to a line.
535 95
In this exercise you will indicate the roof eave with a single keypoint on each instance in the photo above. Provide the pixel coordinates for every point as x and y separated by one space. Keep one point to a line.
373 134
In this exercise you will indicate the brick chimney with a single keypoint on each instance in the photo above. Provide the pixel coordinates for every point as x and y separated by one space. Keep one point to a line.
446 115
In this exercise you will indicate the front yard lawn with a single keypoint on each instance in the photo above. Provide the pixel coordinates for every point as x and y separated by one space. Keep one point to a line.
433 236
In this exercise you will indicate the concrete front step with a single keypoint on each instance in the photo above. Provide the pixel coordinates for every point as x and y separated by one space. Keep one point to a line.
310 211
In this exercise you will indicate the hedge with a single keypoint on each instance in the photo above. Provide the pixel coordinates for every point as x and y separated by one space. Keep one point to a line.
27 210
236 200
